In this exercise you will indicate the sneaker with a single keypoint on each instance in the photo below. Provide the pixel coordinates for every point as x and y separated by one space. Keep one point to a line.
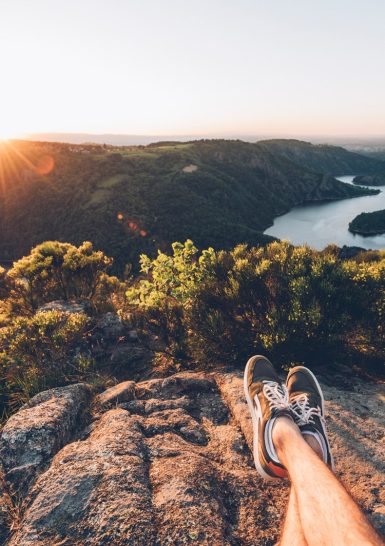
308 407
267 399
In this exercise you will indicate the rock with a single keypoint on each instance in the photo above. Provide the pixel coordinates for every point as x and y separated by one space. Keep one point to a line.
123 392
128 354
111 326
231 388
173 386
190 168
378 519
95 492
145 407
348 252
177 421
38 430
133 335
172 466
5 516
65 306
188 512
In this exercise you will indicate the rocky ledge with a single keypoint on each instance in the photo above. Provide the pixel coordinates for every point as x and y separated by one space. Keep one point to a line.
166 462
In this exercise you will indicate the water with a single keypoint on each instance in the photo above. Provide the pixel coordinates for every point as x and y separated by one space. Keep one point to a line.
319 224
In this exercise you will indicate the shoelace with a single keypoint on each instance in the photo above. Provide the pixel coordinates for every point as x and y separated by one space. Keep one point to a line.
276 394
303 413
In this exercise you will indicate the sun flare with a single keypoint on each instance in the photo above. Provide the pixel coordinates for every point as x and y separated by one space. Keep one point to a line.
5 135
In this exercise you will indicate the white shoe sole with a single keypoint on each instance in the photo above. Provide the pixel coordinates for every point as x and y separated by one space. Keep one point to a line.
322 408
256 417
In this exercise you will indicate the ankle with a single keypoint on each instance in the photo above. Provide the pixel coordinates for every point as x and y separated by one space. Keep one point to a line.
314 444
284 431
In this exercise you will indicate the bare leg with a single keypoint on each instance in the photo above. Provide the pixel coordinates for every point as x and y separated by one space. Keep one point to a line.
328 515
292 533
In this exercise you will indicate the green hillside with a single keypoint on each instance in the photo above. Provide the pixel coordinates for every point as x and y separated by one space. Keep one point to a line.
129 200
369 223
370 180
324 158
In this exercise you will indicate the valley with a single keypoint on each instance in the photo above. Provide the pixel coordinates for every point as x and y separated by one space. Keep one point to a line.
134 199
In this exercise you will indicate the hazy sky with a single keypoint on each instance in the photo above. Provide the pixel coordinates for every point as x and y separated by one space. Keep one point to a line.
198 67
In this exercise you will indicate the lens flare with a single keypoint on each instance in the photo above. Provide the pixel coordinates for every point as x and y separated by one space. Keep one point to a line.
45 165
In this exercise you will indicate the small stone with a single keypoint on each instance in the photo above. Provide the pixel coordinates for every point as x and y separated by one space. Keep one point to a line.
122 392
133 335
111 325
64 306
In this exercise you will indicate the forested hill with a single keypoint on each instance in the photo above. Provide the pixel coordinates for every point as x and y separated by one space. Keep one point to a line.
323 158
128 200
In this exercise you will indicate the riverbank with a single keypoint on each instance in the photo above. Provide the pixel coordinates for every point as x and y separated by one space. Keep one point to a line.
321 223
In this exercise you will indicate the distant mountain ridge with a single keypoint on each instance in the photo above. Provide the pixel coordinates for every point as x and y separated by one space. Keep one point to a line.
325 158
127 200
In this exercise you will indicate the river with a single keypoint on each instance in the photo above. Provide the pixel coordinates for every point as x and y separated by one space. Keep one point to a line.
319 224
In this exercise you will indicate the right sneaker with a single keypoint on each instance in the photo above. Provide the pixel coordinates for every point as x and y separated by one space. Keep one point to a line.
267 399
307 407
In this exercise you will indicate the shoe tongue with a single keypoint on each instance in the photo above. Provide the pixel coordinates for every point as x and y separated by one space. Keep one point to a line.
310 393
308 428
281 413
312 398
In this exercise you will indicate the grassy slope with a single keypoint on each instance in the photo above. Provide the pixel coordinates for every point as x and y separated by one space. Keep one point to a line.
232 197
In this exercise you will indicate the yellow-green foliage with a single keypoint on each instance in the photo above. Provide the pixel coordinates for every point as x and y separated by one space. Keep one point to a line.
55 270
291 301
43 351
168 289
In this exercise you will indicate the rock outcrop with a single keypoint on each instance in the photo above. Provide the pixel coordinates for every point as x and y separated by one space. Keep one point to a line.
168 462
39 430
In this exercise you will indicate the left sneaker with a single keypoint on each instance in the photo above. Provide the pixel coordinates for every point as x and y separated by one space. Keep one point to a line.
267 399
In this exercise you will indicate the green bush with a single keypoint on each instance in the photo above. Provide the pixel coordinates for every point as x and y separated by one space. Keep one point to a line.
160 299
44 351
292 302
55 270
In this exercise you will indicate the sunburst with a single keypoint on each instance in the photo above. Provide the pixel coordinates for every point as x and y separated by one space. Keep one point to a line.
15 165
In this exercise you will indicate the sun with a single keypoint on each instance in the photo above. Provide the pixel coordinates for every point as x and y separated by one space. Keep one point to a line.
4 135
7 132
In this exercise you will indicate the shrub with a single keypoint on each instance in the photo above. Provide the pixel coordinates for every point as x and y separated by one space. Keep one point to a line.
160 298
293 302
55 270
44 351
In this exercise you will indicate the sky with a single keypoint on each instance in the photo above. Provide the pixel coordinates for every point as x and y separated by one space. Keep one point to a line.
203 67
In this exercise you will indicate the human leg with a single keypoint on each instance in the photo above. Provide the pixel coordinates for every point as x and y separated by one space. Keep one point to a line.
329 516
290 436
292 533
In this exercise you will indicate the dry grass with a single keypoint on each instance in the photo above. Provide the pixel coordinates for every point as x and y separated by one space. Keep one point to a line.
12 506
